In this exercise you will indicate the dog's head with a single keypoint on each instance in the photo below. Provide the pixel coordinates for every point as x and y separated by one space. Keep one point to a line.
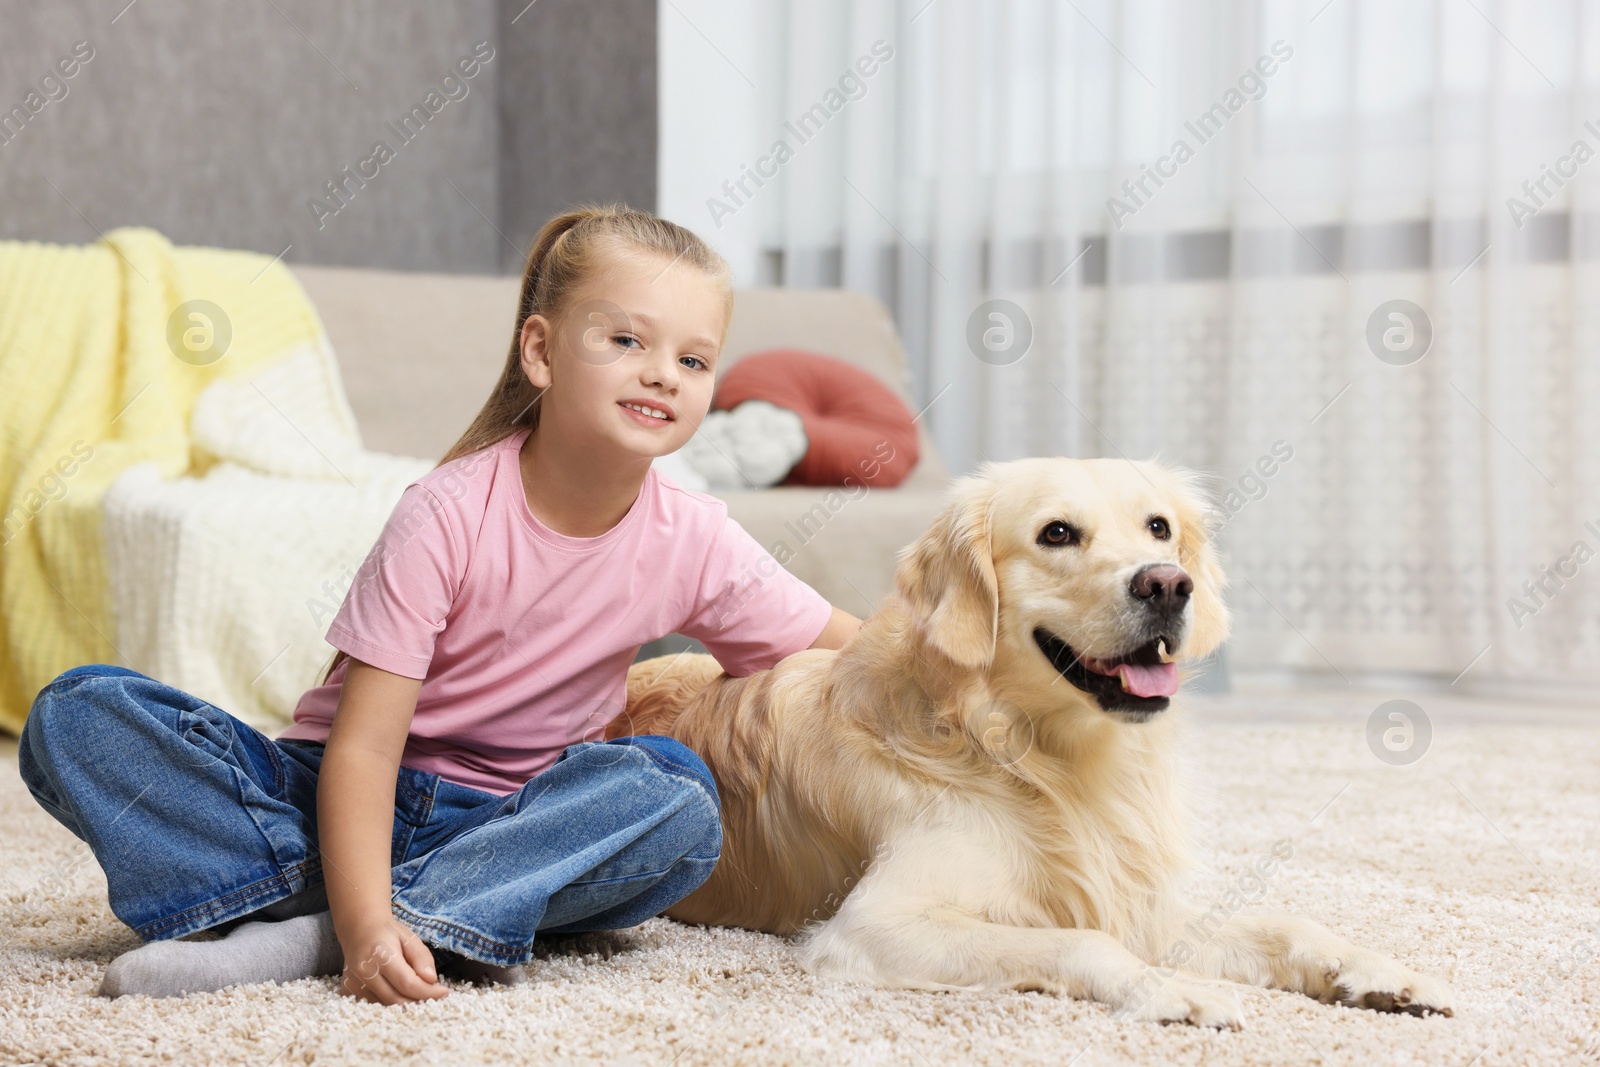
1093 577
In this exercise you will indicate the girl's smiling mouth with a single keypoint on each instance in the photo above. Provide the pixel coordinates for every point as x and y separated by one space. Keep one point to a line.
647 413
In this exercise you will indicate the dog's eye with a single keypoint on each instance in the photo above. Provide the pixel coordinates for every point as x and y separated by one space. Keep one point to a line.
1158 527
1059 533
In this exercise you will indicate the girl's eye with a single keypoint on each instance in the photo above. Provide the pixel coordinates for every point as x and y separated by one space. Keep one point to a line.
697 359
625 337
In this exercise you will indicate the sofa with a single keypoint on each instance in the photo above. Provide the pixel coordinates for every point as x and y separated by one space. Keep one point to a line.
418 354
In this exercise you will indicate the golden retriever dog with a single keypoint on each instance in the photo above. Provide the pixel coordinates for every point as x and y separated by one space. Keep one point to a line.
981 790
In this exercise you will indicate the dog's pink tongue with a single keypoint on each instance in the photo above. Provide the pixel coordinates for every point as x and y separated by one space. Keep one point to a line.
1158 681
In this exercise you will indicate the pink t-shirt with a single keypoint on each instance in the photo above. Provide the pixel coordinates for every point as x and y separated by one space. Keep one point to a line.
523 636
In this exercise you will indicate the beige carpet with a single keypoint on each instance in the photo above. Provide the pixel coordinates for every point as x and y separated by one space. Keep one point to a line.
1480 862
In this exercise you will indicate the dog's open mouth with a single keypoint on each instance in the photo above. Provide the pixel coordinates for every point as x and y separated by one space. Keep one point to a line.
1135 681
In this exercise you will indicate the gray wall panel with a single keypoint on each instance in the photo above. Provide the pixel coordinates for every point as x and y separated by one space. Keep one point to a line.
578 110
218 123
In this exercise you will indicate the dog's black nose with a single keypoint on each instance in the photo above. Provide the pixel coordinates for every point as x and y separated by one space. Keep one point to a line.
1164 586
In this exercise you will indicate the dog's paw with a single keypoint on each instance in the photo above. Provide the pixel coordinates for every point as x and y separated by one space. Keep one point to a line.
1180 1000
1370 980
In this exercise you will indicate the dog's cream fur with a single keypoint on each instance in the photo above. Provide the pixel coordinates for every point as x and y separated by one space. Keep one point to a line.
936 807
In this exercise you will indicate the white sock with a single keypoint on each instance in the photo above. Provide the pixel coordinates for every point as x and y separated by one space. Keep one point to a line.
300 947
283 951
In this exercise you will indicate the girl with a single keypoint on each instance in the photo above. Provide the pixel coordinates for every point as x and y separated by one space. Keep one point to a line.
484 646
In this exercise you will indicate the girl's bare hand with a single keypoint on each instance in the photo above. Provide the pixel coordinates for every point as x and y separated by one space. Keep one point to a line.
386 963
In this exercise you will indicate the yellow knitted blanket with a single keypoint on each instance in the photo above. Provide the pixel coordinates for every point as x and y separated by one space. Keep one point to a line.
103 350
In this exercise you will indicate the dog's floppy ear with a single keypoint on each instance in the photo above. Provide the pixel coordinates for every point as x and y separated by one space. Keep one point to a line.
1197 518
946 577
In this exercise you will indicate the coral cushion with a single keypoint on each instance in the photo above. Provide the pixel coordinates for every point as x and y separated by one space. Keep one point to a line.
858 431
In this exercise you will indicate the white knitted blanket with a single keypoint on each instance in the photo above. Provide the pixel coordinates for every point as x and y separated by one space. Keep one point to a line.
223 585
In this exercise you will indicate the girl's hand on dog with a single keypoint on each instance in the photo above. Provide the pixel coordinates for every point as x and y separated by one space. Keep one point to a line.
386 963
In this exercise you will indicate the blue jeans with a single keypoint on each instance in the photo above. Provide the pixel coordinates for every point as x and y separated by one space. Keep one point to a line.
199 819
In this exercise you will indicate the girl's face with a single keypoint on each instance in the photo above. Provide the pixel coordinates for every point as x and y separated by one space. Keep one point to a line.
644 332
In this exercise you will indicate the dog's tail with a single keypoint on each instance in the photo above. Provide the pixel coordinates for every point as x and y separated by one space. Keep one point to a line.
658 690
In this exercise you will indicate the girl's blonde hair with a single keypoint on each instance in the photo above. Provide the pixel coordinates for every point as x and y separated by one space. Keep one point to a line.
566 255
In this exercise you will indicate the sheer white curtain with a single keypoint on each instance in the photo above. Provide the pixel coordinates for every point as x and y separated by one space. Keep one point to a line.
1340 254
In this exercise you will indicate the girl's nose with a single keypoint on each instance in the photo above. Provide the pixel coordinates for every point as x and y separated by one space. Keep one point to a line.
660 370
